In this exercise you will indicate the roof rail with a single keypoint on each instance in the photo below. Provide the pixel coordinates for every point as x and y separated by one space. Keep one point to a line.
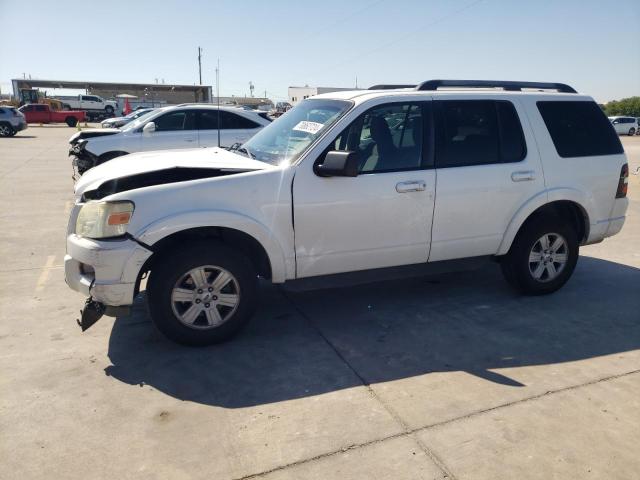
383 86
504 84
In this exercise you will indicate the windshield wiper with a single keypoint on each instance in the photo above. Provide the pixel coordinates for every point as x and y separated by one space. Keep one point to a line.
245 150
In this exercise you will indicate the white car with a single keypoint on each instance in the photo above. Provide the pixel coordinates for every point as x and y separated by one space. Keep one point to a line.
118 122
625 125
351 181
182 126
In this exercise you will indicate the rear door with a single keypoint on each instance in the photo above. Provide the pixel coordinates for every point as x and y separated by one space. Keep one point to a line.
487 167
234 128
174 129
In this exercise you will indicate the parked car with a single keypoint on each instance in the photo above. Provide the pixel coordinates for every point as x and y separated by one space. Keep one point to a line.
625 125
90 103
351 181
182 126
41 113
11 121
118 122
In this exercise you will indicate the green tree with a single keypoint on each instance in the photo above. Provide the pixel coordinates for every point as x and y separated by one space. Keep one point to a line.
627 106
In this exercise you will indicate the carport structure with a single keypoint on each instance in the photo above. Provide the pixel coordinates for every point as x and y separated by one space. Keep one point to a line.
152 92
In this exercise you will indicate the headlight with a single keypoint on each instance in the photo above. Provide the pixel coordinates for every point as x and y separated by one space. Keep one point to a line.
104 219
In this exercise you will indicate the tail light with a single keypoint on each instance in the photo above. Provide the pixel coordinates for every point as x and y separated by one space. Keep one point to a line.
623 183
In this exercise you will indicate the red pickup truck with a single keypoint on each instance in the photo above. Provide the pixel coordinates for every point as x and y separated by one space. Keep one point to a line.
42 113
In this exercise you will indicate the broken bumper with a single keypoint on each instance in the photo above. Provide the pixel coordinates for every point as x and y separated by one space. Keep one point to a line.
107 271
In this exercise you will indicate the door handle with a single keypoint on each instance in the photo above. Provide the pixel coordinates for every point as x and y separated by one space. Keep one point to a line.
411 186
189 140
524 176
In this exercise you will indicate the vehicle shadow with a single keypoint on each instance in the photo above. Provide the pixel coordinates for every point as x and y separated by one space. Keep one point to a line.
22 136
386 331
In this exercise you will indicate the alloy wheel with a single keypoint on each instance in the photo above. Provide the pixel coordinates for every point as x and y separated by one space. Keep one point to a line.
205 297
548 257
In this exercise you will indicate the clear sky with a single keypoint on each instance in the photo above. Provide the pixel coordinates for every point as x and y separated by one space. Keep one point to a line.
593 45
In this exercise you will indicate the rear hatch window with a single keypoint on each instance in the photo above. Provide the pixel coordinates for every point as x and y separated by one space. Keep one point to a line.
579 129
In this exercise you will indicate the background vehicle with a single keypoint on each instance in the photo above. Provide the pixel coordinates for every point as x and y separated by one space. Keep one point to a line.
11 121
353 181
92 104
625 125
43 114
118 122
182 126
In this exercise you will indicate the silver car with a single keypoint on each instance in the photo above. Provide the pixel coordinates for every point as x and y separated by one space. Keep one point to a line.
118 122
11 121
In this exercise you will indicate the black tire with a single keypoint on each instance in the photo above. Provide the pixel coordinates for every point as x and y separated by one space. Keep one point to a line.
6 130
175 267
71 121
632 132
516 265
108 109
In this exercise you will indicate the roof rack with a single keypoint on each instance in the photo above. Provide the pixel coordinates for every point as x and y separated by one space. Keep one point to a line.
506 85
383 86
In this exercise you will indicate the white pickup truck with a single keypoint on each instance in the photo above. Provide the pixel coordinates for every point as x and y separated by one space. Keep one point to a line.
351 181
90 103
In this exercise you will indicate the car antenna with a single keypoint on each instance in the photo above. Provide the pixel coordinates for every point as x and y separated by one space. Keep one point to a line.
218 97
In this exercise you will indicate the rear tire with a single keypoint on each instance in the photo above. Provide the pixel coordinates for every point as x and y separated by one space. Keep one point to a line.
108 109
203 293
6 130
542 256
632 132
71 121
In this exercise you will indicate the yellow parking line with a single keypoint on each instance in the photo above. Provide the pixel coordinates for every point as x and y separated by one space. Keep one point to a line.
44 274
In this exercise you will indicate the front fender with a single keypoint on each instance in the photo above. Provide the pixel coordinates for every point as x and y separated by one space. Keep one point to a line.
169 225
539 200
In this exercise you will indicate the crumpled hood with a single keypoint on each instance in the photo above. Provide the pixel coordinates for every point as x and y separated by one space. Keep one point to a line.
142 169
92 132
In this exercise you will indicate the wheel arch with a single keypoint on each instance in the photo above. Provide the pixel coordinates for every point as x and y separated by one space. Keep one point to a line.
572 210
245 234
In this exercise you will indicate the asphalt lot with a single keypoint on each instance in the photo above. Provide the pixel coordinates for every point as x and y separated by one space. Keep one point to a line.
445 376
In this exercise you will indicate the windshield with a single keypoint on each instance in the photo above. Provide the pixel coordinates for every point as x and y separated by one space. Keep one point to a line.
285 139
136 113
139 121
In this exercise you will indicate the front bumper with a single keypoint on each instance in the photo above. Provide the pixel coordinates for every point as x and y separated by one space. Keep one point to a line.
105 270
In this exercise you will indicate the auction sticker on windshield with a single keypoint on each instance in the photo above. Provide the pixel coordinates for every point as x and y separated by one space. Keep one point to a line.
308 127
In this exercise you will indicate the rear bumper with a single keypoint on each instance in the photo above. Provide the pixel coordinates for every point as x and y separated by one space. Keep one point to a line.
20 126
609 226
107 271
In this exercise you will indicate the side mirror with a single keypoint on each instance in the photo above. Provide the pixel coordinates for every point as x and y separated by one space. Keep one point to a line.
338 164
148 129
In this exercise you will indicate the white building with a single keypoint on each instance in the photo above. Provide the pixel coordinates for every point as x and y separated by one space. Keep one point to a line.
297 94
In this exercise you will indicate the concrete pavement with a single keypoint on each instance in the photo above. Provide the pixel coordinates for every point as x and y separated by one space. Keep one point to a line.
442 376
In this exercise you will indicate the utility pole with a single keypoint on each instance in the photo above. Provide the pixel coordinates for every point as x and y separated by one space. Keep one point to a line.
218 95
200 64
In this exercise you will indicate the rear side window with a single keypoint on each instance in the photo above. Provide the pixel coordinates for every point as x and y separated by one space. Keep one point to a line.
230 121
579 129
478 132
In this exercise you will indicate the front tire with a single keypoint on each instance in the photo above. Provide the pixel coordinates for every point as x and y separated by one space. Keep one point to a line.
108 109
632 132
6 130
542 257
202 294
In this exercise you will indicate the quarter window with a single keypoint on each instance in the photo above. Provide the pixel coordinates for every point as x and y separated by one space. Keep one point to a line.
579 129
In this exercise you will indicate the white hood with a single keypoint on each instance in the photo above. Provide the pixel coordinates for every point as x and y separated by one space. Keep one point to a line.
142 162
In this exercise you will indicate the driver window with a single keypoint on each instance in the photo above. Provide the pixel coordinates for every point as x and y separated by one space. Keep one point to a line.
387 138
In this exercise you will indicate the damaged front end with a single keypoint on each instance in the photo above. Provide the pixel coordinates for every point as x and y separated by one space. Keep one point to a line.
81 159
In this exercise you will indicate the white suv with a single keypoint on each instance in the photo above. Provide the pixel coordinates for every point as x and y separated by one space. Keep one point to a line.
182 126
625 125
346 181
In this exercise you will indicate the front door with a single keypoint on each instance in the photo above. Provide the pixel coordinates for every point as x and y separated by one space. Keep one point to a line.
175 129
380 218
